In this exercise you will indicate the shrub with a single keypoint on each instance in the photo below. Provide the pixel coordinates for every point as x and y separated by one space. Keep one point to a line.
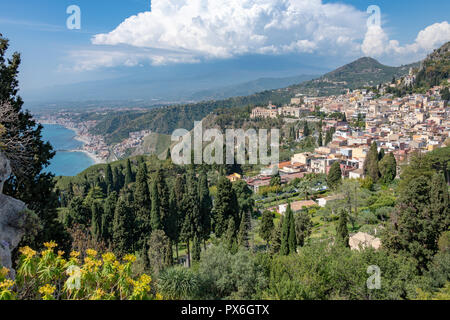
47 275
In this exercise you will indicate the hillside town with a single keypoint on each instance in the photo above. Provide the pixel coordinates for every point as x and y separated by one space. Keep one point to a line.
415 122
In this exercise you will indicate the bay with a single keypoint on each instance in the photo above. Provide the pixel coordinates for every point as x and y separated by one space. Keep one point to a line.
67 161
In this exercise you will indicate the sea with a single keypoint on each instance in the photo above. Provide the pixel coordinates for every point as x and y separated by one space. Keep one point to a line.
67 161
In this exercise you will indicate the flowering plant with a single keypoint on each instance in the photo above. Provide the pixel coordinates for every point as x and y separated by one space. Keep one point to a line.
47 275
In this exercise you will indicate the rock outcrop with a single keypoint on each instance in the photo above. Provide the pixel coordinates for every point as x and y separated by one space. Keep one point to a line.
12 219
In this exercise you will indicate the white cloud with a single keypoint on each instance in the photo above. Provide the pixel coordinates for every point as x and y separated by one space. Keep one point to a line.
227 28
91 59
376 42
189 31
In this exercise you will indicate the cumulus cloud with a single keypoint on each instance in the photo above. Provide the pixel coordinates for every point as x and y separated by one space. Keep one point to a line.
227 28
189 31
376 42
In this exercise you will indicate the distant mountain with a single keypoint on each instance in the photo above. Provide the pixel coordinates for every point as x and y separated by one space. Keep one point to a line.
250 87
157 89
364 72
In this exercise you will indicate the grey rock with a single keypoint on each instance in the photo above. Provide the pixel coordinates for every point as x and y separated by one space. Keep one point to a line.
12 219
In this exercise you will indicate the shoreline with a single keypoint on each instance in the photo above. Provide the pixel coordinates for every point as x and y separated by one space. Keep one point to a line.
79 138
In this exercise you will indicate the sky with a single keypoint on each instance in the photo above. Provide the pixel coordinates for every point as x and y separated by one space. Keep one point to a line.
240 39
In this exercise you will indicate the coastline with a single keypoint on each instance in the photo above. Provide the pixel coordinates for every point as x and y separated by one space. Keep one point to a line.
82 139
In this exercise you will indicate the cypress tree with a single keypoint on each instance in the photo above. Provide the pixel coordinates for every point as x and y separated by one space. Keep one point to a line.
118 178
306 131
334 178
371 163
109 179
276 238
108 217
292 241
155 211
205 206
196 249
388 168
303 225
122 228
179 207
267 226
328 137
381 154
128 173
244 230
95 222
286 231
225 206
342 235
320 139
143 208
230 235
439 203
192 224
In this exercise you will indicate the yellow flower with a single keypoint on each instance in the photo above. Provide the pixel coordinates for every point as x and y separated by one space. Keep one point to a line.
91 253
50 245
159 297
4 272
74 254
98 295
47 290
130 258
109 257
60 253
28 252
6 284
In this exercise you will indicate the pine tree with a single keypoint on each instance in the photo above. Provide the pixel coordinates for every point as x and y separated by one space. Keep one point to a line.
225 206
342 235
334 178
267 226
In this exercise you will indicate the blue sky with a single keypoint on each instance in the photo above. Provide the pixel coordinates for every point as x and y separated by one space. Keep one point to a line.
256 39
